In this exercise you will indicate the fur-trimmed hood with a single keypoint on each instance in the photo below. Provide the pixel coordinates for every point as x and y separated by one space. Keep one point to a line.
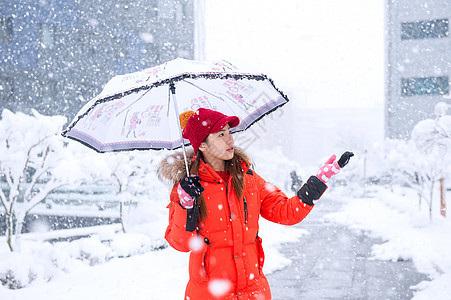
172 167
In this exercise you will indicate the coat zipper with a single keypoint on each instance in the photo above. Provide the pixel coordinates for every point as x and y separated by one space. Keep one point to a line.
203 263
245 210
245 205
206 241
227 198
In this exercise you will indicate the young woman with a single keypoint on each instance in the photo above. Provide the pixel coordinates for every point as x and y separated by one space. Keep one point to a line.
214 212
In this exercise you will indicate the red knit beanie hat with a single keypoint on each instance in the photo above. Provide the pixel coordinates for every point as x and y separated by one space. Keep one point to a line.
198 125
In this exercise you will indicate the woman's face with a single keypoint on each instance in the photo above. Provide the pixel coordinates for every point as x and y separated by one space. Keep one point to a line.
218 146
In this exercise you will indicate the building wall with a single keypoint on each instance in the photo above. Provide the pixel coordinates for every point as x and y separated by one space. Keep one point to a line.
418 60
61 53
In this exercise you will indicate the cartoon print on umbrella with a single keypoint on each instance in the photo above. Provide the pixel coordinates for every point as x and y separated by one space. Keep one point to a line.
141 121
134 121
97 114
101 115
238 91
199 102
153 115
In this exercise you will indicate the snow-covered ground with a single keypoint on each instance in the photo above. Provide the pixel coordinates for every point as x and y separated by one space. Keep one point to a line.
153 275
112 265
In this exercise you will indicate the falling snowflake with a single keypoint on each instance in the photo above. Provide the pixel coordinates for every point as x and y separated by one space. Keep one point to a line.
219 287
195 243
270 188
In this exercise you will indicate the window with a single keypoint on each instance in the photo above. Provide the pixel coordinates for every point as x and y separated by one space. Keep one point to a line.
47 36
424 29
425 86
6 89
6 30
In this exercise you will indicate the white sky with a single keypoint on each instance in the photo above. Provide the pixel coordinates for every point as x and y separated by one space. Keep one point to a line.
322 53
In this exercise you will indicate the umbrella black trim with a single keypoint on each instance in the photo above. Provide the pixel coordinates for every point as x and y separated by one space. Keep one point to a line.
172 80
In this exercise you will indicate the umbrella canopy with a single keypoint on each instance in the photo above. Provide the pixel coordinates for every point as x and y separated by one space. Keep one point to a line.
140 110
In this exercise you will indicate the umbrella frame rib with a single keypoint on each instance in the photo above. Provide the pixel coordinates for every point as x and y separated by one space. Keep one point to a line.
174 100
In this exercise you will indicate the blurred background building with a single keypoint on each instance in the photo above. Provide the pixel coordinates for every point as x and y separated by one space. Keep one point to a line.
57 54
418 60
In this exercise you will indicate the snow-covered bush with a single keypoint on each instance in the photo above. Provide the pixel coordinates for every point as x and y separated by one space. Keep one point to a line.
18 270
129 244
91 250
40 262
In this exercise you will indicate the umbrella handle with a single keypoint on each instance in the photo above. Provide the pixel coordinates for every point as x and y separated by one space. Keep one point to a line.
174 98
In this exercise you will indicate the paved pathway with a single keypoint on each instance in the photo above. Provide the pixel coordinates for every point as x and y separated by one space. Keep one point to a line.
333 262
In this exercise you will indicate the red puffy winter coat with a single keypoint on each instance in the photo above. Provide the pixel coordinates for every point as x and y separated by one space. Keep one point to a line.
227 262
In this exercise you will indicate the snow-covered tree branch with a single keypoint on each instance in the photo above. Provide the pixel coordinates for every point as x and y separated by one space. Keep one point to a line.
35 161
129 171
425 158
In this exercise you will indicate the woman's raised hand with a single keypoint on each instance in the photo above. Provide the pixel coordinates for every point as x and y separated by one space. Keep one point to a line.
332 167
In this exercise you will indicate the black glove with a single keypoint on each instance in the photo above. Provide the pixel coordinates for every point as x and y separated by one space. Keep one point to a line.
344 159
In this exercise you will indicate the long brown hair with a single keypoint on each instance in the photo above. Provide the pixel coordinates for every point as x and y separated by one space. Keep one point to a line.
235 169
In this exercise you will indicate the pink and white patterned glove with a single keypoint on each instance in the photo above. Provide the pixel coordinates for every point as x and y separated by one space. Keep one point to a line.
185 199
329 169
189 190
